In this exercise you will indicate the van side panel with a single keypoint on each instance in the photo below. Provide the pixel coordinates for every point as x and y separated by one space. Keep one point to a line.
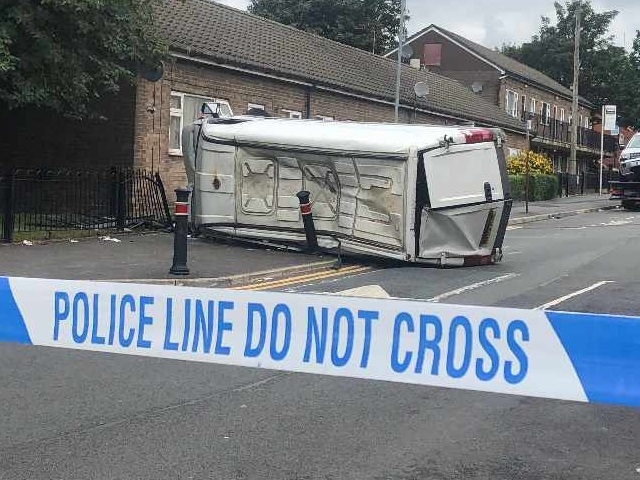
215 184
361 199
380 201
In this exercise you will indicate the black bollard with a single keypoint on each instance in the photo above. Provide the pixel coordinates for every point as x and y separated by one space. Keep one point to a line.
179 266
307 220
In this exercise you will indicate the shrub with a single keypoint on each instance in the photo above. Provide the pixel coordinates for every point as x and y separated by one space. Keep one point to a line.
541 187
538 163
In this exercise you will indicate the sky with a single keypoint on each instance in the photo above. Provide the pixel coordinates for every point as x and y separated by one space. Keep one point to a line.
493 23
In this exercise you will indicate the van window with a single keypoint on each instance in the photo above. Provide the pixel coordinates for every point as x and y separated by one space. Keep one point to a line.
634 142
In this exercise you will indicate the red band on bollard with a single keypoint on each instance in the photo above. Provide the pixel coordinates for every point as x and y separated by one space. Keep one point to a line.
182 208
305 208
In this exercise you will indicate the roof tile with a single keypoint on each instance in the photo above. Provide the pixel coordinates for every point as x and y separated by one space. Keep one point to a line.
206 29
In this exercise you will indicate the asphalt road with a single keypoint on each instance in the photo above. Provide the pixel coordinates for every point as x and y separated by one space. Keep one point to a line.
67 414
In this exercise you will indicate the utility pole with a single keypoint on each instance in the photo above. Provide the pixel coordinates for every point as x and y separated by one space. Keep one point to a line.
399 66
573 164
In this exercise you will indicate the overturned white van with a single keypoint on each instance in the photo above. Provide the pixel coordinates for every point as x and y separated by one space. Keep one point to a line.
411 192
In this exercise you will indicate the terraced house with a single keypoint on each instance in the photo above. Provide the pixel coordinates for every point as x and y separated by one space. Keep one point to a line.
521 91
247 62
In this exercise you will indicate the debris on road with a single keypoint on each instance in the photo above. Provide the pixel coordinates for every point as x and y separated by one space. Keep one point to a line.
28 243
110 239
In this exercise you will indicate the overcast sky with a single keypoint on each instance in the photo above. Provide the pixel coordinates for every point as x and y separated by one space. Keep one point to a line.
494 22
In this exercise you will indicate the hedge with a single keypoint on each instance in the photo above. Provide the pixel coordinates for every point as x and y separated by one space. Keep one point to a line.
541 187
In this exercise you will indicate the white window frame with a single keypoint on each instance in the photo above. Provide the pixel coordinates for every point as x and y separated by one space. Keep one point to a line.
545 118
586 122
176 112
555 112
257 106
532 106
179 112
292 113
324 118
514 110
562 114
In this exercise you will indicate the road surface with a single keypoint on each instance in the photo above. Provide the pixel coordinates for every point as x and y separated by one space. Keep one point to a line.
74 415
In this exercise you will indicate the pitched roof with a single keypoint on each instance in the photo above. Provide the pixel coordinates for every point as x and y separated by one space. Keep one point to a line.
203 29
500 60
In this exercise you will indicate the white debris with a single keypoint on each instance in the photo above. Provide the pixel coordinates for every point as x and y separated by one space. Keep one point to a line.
71 240
110 239
28 243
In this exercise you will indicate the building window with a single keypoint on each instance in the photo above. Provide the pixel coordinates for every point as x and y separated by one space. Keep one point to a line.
324 118
255 106
511 104
523 106
184 109
432 54
562 114
555 112
586 122
532 105
291 113
545 113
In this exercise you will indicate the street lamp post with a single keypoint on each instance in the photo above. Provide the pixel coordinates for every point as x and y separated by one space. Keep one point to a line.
526 170
399 66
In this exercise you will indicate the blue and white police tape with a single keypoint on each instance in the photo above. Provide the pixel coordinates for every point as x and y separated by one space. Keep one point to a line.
583 357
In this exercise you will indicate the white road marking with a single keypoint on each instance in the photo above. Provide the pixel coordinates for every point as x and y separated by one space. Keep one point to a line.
513 227
368 291
559 300
473 286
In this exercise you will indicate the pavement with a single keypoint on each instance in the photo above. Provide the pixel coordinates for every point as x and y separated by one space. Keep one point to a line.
562 206
81 415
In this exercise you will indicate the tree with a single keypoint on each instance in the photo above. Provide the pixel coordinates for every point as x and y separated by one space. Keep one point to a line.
607 72
366 24
67 54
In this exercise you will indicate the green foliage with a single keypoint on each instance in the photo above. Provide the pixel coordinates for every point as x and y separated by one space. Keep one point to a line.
366 24
538 163
541 186
608 74
66 54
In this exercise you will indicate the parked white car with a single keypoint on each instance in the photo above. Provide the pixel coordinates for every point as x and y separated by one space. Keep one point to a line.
630 159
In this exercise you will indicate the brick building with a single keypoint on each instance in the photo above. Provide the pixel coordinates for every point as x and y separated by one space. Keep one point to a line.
521 91
218 52
221 53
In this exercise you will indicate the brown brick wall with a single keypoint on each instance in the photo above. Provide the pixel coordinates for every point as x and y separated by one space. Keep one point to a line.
460 65
540 95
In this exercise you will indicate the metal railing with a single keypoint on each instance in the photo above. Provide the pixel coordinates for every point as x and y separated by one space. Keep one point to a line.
559 131
586 182
59 199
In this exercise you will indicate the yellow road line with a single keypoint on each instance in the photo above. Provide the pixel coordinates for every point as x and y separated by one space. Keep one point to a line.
350 270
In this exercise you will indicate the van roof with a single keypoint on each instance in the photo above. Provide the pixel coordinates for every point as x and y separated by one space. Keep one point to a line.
372 138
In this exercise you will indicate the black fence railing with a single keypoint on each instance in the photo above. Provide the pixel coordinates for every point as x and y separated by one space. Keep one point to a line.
559 131
54 199
587 182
